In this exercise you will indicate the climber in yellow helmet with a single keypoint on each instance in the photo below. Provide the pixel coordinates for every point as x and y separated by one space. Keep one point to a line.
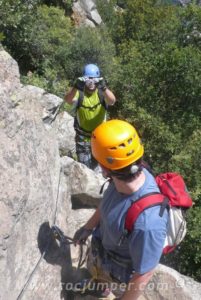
117 257
90 97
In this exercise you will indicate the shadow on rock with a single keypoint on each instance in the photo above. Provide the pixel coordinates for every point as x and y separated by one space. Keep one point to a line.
56 253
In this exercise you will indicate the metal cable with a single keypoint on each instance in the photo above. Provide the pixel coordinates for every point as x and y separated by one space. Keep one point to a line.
46 249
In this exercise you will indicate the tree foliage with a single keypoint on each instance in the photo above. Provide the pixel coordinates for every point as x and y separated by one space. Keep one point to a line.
88 47
158 88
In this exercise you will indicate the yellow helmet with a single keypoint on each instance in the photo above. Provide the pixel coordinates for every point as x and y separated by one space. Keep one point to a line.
115 144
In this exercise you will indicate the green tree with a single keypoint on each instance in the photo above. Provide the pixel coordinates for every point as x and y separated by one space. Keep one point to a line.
44 43
160 94
91 45
190 26
43 37
64 4
147 21
13 14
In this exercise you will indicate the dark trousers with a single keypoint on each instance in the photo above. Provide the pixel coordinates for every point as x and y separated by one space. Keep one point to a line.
83 151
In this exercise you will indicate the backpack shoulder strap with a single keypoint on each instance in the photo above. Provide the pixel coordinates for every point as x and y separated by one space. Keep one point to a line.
137 207
100 96
102 99
80 99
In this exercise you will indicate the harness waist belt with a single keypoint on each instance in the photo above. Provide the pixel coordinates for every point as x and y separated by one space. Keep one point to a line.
79 130
122 261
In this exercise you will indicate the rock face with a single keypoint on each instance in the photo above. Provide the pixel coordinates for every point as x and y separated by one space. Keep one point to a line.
85 13
65 134
35 192
40 187
30 170
169 284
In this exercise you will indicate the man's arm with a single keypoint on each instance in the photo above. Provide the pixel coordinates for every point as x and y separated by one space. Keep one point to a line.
78 85
70 95
94 220
137 285
109 97
85 231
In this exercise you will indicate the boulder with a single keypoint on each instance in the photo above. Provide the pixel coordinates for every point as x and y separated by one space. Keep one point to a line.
85 13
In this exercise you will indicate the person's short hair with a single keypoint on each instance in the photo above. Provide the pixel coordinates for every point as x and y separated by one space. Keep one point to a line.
128 173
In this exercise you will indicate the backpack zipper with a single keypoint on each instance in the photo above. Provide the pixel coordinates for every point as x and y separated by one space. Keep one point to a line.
169 185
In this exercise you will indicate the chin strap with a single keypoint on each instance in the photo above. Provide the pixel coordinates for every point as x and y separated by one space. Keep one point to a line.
109 179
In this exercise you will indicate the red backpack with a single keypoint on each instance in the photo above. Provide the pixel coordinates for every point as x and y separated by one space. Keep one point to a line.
173 195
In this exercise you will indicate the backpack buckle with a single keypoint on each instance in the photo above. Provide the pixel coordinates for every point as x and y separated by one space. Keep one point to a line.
164 205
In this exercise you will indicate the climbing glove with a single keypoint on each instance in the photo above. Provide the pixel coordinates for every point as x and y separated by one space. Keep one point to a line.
79 83
81 235
102 84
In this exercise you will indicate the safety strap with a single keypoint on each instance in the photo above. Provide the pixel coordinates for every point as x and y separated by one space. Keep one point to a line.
79 130
103 185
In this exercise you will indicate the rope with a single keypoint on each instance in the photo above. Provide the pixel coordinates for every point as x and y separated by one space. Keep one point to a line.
57 197
81 259
32 273
46 249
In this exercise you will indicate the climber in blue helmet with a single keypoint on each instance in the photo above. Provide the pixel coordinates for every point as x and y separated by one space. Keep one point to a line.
91 97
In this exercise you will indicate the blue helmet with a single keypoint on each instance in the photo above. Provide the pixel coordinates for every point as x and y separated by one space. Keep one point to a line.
91 70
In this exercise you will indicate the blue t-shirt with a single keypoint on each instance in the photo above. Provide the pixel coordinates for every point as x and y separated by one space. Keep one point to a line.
145 243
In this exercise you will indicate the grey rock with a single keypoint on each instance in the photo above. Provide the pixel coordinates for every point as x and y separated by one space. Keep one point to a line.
9 72
85 184
168 284
85 13
89 6
66 134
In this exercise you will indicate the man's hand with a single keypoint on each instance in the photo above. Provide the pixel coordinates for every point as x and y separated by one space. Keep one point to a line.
102 84
79 83
81 235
